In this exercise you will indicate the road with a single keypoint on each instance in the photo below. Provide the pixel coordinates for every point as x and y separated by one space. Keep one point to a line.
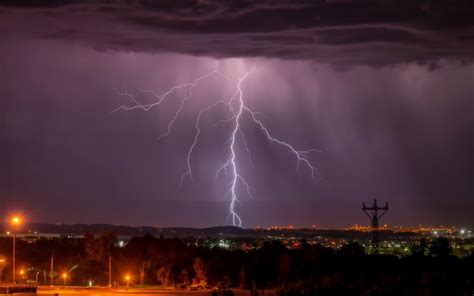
84 291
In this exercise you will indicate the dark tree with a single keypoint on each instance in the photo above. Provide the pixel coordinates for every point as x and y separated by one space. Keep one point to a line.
352 249
440 247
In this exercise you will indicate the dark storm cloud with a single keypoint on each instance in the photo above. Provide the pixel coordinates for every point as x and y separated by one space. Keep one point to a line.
341 33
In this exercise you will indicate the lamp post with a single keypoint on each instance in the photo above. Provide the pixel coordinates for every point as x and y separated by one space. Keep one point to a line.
15 221
64 275
127 279
22 274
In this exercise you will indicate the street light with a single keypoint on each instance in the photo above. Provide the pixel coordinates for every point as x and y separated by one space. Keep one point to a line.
22 273
127 279
15 221
64 276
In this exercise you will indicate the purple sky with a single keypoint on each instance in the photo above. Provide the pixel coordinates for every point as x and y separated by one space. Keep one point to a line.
391 113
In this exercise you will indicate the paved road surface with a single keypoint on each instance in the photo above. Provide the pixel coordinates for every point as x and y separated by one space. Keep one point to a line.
82 291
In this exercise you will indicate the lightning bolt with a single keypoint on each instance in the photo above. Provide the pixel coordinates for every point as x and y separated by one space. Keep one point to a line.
236 111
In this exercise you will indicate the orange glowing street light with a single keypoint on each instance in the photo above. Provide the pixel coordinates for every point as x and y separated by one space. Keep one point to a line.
15 221
64 276
22 274
127 278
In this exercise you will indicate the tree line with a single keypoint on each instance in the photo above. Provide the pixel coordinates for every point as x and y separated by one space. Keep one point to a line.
306 270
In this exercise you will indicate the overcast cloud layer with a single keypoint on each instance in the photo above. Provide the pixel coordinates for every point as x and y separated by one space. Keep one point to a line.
341 33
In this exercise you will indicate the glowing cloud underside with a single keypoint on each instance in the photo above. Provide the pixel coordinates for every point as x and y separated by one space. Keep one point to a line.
236 107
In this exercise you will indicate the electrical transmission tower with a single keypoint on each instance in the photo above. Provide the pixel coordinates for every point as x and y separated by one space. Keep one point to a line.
375 213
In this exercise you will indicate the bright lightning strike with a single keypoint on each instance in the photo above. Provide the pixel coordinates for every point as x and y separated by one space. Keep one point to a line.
236 109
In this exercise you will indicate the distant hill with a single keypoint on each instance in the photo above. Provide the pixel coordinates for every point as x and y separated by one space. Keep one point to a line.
183 232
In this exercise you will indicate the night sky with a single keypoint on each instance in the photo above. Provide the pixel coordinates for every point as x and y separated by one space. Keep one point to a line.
383 90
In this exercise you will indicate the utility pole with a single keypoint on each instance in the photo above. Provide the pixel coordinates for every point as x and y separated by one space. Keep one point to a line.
374 216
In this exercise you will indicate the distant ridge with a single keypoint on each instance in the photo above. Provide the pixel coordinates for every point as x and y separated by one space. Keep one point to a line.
79 229
189 232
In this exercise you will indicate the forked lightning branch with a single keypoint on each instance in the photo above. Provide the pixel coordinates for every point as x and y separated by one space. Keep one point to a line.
235 108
